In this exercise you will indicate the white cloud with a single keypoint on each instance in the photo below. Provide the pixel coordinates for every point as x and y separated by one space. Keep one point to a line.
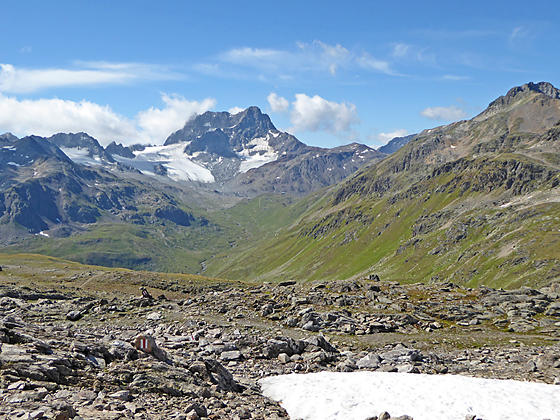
366 61
386 137
156 124
21 80
236 110
316 113
277 103
441 113
45 117
316 56
400 50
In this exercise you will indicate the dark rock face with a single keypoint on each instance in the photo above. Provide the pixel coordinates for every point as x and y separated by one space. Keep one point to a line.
82 213
29 204
7 138
216 142
240 128
309 171
176 215
29 150
118 149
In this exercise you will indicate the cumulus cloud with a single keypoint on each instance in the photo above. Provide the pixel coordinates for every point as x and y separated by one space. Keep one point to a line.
22 80
316 113
277 103
441 113
386 137
45 117
157 124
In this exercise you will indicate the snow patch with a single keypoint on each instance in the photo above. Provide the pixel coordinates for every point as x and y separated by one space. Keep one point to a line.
179 166
42 233
256 153
358 395
13 164
81 156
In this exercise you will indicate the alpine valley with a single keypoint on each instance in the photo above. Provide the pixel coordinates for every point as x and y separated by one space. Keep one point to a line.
229 195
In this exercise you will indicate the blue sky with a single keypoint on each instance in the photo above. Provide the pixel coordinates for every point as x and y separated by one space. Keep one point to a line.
329 72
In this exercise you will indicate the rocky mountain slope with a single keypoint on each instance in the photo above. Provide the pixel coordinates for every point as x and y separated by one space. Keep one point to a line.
474 202
44 190
247 154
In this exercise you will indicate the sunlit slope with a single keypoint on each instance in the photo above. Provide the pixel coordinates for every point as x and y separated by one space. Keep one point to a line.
475 202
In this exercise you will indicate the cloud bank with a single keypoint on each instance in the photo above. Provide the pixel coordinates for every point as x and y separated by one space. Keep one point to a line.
45 117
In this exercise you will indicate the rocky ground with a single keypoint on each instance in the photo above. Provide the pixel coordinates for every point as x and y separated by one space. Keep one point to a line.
69 352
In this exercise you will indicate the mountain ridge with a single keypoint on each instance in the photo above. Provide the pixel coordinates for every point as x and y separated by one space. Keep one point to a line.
470 202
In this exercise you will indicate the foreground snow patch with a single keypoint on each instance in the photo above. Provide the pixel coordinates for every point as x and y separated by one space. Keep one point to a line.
358 395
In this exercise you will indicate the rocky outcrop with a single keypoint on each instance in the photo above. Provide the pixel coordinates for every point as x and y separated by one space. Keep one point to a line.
175 214
118 149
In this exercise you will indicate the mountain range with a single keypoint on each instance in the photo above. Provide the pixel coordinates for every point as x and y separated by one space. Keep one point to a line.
475 201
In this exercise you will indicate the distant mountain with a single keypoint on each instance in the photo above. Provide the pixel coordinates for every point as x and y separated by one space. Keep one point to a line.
7 138
395 144
41 188
81 148
242 153
313 168
68 188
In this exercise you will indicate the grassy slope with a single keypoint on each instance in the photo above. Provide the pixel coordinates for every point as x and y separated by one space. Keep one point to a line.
469 238
43 272
168 247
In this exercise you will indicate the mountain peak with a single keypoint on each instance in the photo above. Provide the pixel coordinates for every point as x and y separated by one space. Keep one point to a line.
544 88
246 124
520 92
520 98
7 138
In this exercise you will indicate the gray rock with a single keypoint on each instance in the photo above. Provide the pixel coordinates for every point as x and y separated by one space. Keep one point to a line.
123 395
370 361
74 315
228 356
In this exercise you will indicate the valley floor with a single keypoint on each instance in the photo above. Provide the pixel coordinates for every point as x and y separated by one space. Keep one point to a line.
68 331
